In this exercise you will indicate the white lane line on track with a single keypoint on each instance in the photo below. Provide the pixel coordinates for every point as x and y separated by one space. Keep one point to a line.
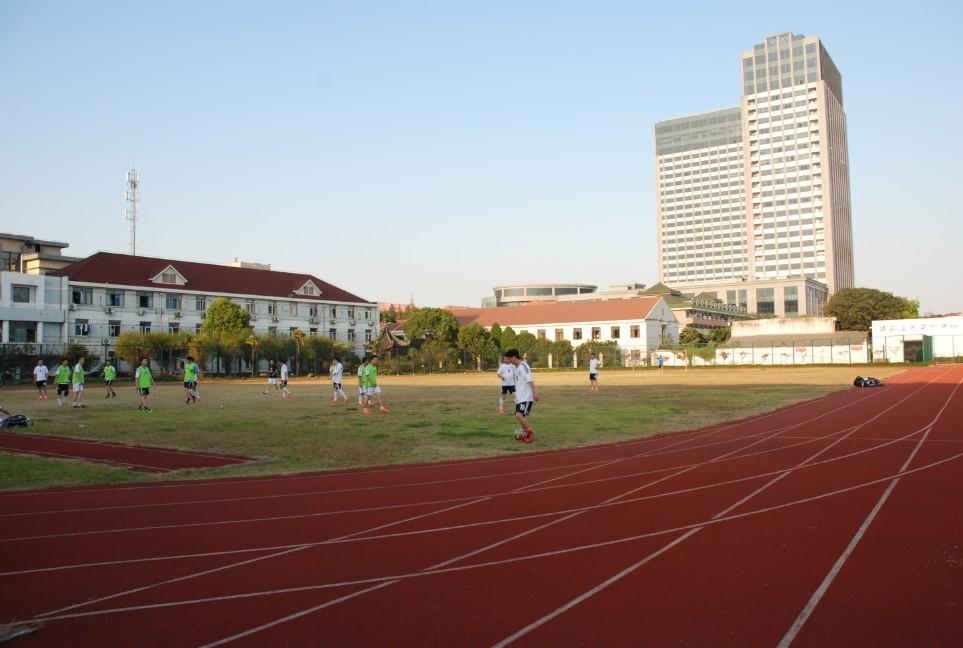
827 581
686 436
475 462
685 440
534 625
124 446
442 565
485 523
657 452
237 564
103 462
515 559
143 588
469 525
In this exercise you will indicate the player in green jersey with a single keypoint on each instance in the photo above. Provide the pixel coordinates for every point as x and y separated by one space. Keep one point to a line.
144 381
371 385
78 382
63 380
110 374
191 373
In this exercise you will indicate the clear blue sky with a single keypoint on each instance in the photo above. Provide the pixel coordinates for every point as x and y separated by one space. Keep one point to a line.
440 148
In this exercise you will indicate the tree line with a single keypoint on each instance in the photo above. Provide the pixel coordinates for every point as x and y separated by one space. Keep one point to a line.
439 343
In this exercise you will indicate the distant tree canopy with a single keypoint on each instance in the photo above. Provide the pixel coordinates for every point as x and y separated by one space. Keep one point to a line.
432 324
224 318
691 335
856 308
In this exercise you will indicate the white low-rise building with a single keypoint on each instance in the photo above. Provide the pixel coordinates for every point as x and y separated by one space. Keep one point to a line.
637 325
914 340
110 294
32 308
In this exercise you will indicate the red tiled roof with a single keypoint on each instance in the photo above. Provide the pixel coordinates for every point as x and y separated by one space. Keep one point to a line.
611 310
127 270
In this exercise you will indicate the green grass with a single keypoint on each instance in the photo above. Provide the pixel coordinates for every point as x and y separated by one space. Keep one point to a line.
428 422
24 471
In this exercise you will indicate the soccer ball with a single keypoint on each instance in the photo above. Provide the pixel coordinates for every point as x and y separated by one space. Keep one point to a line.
519 434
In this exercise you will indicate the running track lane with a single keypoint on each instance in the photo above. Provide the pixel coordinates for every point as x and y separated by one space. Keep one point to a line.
133 457
492 602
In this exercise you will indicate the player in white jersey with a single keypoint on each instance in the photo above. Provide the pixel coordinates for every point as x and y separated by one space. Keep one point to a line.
525 395
506 371
337 376
283 371
361 389
40 374
593 373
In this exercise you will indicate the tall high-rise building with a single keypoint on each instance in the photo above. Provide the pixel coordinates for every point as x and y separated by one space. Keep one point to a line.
753 201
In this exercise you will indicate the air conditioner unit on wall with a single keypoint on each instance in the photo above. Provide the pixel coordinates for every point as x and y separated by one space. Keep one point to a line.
177 314
71 307
109 310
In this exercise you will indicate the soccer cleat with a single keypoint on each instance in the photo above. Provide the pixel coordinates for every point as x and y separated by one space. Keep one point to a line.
107 396
366 411
147 409
529 436
384 410
501 411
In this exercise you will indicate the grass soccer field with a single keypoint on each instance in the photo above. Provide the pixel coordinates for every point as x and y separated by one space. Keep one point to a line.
432 418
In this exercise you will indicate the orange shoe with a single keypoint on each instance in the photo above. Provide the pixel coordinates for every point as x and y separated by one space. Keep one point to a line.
366 411
529 436
384 410
501 411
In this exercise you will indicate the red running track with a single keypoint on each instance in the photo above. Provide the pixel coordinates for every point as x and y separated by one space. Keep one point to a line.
835 521
132 457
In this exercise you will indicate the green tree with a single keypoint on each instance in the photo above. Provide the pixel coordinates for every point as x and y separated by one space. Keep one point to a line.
297 337
476 341
496 335
720 335
691 335
509 338
226 326
856 308
432 324
390 315
130 347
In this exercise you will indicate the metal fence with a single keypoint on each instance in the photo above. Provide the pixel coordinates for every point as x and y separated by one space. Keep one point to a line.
18 359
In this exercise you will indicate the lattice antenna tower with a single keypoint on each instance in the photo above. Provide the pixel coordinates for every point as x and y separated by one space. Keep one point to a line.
133 197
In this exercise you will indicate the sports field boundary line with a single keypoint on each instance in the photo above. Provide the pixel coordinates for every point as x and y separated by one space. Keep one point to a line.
485 495
656 452
537 623
346 472
548 554
298 614
840 562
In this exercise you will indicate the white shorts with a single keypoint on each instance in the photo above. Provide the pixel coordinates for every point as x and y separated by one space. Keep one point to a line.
78 387
371 391
272 381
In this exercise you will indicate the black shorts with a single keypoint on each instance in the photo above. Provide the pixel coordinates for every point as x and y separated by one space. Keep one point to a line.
524 408
190 384
143 391
40 383
63 388
108 383
336 386
508 389
594 376
284 383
